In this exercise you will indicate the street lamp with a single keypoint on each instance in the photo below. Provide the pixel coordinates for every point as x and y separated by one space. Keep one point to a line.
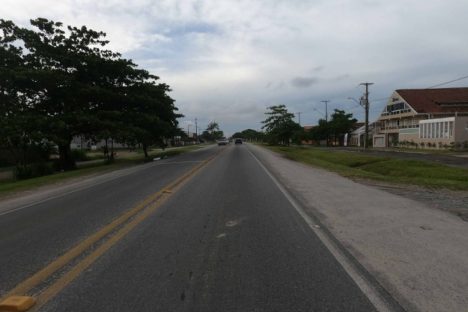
353 99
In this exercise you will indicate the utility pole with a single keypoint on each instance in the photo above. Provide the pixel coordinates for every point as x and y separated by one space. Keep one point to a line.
196 131
366 107
299 116
326 115
326 109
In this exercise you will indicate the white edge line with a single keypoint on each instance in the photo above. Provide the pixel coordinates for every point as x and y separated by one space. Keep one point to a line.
372 294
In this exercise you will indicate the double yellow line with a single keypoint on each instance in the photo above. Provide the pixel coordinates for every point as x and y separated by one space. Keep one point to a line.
127 221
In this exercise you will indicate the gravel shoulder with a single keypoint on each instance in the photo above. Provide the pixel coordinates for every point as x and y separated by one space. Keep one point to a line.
416 252
455 202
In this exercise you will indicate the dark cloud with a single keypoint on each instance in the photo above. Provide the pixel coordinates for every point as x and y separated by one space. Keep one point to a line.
303 82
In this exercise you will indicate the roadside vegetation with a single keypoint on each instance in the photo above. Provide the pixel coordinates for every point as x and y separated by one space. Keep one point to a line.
358 166
89 168
58 83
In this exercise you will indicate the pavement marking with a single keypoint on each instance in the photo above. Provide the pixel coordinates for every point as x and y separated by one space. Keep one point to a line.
17 303
146 207
179 162
113 176
374 296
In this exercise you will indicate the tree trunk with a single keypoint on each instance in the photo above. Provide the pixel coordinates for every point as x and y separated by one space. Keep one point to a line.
66 161
145 149
112 150
106 150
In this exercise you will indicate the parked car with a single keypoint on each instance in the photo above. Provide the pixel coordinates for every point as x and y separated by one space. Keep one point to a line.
223 141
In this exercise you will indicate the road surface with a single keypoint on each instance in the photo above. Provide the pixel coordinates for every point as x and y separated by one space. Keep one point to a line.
205 231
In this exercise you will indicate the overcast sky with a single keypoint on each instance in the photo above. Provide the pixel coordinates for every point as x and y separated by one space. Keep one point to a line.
229 60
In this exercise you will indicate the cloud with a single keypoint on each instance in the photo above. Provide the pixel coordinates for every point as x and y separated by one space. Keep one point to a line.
228 60
303 82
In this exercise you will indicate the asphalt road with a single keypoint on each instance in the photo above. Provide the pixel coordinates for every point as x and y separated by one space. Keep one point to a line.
225 240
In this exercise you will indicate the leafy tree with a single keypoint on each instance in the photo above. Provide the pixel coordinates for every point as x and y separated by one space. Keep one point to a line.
57 84
17 118
279 125
64 80
212 132
249 134
151 116
340 124
320 132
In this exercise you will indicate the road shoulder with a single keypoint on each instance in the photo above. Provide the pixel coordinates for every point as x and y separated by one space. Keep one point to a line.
417 253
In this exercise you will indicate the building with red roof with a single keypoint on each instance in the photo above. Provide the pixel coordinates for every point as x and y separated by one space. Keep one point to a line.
428 118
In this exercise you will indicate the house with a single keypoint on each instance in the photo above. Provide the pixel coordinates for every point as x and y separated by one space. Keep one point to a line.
424 117
357 136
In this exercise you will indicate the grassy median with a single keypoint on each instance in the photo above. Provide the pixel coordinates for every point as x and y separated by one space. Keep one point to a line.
356 165
122 160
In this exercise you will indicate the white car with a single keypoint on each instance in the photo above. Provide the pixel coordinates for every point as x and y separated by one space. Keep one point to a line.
223 141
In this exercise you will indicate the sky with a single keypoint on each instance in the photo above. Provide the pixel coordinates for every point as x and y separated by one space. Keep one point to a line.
229 60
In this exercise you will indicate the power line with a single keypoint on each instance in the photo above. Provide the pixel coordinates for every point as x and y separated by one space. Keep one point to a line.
444 83
434 86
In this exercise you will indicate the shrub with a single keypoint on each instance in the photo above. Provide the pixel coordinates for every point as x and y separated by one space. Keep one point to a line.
33 170
79 155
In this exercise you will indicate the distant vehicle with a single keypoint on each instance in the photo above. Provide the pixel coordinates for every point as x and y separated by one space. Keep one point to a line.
223 141
238 141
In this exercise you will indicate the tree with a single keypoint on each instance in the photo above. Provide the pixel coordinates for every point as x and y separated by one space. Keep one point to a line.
17 93
320 132
57 84
212 132
65 81
279 125
151 115
340 124
249 134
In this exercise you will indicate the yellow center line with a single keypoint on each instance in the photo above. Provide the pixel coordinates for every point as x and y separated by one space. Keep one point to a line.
153 201
66 279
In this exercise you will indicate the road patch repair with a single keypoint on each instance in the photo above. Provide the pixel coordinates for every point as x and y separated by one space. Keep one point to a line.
39 288
416 253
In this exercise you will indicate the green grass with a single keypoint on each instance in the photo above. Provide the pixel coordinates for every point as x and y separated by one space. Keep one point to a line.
356 165
132 159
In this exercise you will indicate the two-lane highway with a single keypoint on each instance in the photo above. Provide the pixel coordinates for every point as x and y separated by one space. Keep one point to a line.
224 239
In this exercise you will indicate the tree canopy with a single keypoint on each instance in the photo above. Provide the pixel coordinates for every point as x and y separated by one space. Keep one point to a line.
280 126
340 124
212 132
249 134
57 83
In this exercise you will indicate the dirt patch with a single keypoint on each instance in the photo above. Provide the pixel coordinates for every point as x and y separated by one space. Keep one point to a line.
455 202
